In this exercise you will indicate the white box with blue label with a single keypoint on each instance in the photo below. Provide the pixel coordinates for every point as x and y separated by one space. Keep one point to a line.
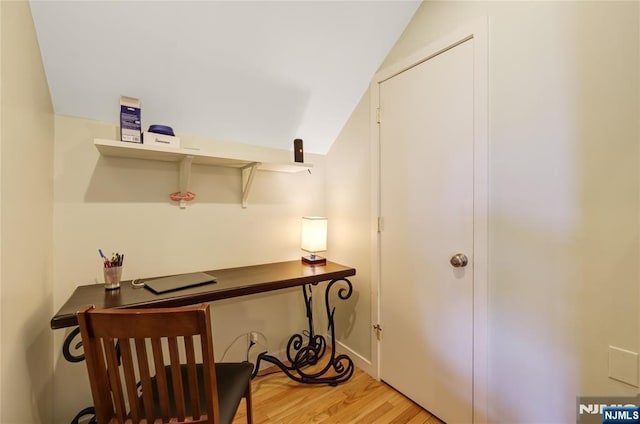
130 122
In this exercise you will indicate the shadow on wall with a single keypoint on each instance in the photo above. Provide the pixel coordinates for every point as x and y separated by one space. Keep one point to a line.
126 180
563 236
123 180
345 309
85 176
134 181
607 110
37 358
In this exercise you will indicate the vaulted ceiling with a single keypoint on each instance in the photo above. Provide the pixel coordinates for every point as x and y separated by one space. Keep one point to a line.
255 72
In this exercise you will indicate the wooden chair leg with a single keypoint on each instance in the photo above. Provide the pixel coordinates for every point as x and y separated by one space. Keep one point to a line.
249 403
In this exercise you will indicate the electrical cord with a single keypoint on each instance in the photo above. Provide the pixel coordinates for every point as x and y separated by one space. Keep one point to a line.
136 285
231 344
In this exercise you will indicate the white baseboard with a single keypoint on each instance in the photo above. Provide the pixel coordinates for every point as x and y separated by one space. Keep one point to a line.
358 360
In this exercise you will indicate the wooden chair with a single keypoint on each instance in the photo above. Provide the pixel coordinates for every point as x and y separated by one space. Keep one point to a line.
147 388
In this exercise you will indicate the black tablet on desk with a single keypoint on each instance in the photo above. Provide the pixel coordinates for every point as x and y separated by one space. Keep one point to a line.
178 282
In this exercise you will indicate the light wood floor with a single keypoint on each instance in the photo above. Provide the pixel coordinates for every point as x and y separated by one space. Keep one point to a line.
278 400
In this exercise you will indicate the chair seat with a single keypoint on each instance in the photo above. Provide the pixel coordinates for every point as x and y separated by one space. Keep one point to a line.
231 380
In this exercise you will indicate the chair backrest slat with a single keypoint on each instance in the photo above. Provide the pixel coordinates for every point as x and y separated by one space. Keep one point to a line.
130 378
161 378
114 377
176 378
145 379
209 370
192 376
99 380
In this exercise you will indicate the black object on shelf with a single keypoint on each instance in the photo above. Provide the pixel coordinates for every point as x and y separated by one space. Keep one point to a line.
298 152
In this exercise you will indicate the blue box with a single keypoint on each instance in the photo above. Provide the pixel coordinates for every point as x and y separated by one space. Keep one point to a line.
130 122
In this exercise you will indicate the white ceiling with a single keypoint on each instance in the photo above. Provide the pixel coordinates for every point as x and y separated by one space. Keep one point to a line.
262 72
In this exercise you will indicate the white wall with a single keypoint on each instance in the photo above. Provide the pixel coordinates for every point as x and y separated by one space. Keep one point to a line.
122 205
563 195
350 227
26 167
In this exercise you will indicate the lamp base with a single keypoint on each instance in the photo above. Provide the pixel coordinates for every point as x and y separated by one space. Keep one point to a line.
315 260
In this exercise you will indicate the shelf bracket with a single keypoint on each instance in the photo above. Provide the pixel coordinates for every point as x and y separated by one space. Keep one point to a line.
248 173
185 174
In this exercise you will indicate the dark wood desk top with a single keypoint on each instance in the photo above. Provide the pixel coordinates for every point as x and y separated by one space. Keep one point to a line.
231 282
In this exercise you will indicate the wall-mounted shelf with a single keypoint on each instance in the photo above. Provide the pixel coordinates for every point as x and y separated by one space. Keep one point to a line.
187 157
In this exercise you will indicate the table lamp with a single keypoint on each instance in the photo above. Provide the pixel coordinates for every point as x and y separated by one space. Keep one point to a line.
314 239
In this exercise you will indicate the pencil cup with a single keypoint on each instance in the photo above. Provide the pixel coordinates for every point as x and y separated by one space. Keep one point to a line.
112 277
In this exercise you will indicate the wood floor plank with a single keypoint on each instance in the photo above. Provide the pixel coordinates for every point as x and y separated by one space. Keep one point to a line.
374 414
361 400
409 412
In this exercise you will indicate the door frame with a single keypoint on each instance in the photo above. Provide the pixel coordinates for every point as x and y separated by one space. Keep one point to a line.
476 30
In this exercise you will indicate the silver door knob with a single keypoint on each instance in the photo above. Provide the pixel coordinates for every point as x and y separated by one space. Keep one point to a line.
459 260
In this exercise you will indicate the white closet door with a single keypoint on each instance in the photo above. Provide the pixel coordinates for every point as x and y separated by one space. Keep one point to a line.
426 194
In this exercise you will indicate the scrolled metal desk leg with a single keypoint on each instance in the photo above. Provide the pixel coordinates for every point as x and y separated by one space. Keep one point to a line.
338 368
66 347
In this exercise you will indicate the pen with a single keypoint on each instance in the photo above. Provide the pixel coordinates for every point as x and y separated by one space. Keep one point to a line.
116 259
106 261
